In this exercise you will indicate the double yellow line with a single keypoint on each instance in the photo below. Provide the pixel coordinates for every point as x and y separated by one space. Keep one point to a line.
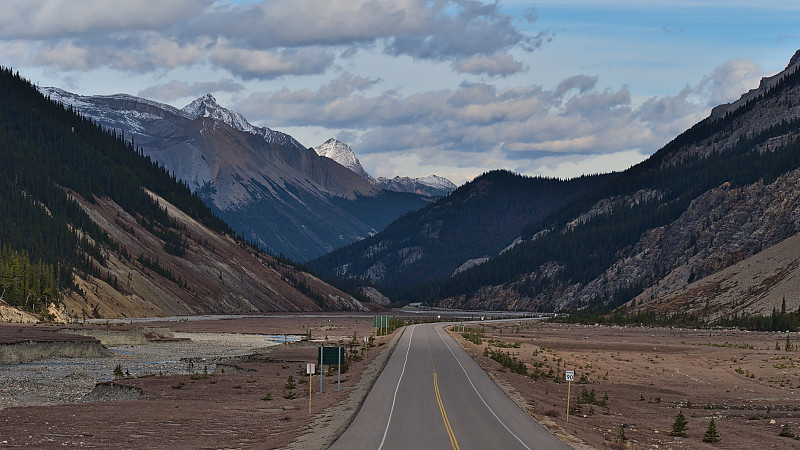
450 433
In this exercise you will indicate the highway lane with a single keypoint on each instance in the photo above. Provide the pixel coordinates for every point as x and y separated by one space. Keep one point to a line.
431 394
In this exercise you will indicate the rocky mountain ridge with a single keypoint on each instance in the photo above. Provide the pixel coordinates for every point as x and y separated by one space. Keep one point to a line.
342 154
431 185
271 189
207 106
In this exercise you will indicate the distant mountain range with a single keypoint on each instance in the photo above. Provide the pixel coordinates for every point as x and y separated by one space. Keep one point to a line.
92 224
431 185
264 183
675 234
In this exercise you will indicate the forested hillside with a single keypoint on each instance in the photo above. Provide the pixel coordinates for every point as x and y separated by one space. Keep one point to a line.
607 247
478 219
61 176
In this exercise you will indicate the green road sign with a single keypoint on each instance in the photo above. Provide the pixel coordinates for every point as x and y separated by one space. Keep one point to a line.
330 356
380 322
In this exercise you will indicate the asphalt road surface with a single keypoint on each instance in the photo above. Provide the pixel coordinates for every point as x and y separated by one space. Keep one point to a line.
432 395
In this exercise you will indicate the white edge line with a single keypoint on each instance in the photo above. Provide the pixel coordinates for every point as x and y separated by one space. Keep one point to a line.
473 387
388 422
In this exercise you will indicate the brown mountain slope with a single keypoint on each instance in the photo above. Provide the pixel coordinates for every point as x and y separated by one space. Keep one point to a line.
755 285
241 164
215 275
721 229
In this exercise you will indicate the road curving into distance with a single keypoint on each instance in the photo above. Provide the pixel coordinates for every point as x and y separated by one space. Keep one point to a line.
432 394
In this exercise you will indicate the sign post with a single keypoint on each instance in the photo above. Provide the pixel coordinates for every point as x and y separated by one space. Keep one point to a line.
570 375
310 372
330 356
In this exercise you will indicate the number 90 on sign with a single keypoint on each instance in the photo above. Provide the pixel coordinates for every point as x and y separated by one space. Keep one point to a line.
570 375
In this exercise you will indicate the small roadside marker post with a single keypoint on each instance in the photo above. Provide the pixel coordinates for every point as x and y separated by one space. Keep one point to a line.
570 375
310 372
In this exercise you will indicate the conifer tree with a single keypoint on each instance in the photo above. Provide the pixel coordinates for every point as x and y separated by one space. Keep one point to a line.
680 426
711 433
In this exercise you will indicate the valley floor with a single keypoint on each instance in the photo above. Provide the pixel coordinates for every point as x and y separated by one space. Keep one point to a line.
225 383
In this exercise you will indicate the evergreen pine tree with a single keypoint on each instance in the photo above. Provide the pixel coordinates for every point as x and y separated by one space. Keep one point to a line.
711 433
680 426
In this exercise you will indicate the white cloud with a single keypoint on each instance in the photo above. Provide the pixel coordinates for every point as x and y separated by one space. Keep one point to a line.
500 63
142 53
730 80
167 53
48 19
574 128
66 56
267 39
591 164
174 89
266 64
445 30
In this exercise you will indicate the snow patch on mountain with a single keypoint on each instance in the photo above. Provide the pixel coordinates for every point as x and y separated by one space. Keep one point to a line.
207 106
432 185
438 182
342 154
469 264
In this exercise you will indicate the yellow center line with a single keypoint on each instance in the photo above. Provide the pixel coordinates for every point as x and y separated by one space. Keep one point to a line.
450 433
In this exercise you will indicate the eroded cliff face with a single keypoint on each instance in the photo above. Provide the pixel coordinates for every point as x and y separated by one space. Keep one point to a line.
215 275
721 228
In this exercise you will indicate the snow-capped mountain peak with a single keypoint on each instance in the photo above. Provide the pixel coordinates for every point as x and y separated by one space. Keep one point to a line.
342 154
207 106
438 182
431 186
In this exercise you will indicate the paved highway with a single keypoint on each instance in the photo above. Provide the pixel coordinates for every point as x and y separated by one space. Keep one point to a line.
432 395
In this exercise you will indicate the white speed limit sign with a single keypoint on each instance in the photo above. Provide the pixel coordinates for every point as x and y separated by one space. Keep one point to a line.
570 375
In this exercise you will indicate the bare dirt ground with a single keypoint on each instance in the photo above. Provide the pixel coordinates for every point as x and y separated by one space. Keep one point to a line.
220 386
255 400
740 379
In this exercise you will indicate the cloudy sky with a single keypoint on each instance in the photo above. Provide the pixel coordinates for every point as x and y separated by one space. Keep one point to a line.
452 87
